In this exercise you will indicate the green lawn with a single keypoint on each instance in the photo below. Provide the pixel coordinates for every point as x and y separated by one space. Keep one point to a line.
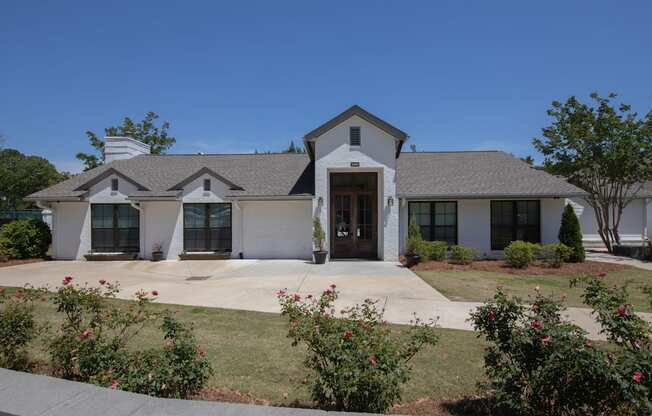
476 285
250 353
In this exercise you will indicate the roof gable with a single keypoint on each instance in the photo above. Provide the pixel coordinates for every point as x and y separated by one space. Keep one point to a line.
205 171
109 172
355 110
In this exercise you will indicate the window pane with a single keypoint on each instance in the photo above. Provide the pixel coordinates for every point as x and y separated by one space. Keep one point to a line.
194 215
127 216
514 220
219 215
121 235
102 216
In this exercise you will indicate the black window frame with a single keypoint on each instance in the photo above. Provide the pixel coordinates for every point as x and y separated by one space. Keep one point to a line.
114 184
207 185
433 226
103 241
355 133
531 229
205 230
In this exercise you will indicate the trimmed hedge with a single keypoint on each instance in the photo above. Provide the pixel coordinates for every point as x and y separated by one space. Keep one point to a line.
25 239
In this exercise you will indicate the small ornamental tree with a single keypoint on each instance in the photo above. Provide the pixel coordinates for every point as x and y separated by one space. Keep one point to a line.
357 362
570 235
318 234
414 242
539 364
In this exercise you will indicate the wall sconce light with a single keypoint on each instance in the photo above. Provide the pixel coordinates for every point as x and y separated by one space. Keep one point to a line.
320 201
390 201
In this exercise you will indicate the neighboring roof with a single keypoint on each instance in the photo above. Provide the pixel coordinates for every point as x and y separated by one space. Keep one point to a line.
478 174
258 175
355 110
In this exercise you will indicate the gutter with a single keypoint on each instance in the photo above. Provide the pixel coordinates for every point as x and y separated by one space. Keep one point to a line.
270 198
475 196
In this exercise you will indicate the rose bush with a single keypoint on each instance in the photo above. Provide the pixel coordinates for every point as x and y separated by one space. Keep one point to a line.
539 364
357 362
18 326
92 344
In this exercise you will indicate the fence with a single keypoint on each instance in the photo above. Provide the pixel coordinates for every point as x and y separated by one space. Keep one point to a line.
12 215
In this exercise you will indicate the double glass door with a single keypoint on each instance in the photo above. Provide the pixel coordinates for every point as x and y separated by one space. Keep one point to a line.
353 222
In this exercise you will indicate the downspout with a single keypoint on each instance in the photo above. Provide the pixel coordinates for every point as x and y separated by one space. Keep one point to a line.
646 219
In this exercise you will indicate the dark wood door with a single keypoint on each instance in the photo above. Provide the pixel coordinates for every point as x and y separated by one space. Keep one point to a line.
354 224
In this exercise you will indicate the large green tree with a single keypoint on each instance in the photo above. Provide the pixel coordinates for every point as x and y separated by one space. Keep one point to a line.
145 131
604 148
21 175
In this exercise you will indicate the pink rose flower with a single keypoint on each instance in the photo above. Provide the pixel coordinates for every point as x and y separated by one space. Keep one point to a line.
348 334
622 312
546 340
491 316
636 378
332 286
102 281
536 325
114 384
280 293
373 361
296 297
67 280
154 292
85 334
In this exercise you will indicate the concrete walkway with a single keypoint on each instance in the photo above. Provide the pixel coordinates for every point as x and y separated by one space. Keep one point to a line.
605 257
252 285
23 394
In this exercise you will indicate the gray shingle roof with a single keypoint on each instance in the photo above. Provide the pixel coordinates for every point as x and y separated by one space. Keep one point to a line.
422 174
280 174
475 175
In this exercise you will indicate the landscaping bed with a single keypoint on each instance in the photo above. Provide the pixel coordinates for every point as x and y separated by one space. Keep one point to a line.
477 282
254 362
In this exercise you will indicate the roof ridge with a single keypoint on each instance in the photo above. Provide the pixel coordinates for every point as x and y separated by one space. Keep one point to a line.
453 151
227 154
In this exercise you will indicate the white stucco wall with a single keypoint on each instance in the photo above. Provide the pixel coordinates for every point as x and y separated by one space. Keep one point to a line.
632 225
162 223
276 229
375 154
474 223
71 236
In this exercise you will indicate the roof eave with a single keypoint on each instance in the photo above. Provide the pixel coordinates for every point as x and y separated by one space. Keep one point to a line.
555 195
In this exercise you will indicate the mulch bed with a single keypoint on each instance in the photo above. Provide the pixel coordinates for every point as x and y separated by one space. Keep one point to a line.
16 262
535 269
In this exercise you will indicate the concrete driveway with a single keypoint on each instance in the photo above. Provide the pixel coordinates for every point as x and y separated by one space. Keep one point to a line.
246 284
252 285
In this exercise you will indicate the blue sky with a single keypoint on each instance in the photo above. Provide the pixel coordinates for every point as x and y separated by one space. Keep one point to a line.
236 76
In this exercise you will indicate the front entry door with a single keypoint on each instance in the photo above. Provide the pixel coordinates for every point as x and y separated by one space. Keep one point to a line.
353 224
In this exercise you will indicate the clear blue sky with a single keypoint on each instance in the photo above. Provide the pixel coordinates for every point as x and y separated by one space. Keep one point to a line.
236 76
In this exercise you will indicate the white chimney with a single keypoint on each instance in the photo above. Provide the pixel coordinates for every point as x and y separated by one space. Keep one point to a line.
119 148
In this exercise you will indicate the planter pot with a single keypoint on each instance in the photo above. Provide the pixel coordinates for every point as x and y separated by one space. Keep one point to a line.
412 260
320 256
157 255
110 256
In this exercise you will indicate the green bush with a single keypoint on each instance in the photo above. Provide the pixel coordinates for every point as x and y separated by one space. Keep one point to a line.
539 364
463 255
436 250
520 254
24 239
17 327
414 243
357 362
554 254
570 234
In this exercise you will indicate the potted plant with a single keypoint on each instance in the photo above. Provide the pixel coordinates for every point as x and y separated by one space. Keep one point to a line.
157 252
318 239
413 244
